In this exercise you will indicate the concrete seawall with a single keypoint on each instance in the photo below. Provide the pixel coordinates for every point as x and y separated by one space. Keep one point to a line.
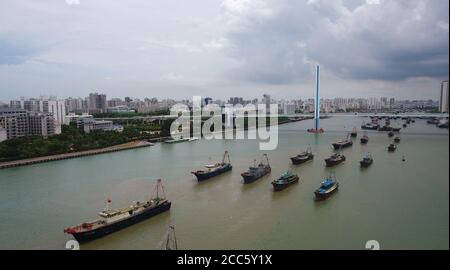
29 161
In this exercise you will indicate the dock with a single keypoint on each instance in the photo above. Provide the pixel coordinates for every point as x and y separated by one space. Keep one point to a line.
115 148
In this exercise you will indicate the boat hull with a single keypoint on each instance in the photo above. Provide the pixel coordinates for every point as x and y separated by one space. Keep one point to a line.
206 176
298 161
116 226
338 146
319 196
365 164
252 178
280 187
332 162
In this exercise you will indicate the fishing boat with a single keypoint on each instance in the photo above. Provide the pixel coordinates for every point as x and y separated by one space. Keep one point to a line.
287 178
365 138
370 126
397 139
391 134
181 139
433 121
385 128
214 169
392 147
335 159
354 133
327 188
257 171
303 157
112 220
347 142
366 161
443 124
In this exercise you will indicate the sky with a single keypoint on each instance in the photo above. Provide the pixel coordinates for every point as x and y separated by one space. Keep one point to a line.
222 48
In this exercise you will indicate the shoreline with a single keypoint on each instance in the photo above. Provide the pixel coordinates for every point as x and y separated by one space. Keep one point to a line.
115 148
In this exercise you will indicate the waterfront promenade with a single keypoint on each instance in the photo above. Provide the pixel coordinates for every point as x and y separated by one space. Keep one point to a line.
120 147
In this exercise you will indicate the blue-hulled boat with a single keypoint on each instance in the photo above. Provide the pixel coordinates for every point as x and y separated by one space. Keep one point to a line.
327 187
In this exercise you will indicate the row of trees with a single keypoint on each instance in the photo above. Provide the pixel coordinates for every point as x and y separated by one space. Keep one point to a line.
73 139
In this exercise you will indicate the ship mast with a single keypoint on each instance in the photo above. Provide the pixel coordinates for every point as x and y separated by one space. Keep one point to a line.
267 159
159 185
226 155
171 239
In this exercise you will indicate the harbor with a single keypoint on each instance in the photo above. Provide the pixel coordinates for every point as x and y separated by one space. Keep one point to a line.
406 199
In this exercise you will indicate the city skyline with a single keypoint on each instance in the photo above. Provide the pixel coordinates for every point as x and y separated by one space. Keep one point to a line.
224 48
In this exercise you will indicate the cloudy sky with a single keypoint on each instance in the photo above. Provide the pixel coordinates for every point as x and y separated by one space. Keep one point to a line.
222 48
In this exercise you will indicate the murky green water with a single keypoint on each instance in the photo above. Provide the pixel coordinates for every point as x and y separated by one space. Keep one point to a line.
402 205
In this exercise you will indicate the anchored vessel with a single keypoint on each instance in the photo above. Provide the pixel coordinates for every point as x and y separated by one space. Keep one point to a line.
181 139
392 147
347 142
327 187
354 133
335 159
286 179
366 161
365 138
214 169
397 139
370 126
112 220
257 171
303 157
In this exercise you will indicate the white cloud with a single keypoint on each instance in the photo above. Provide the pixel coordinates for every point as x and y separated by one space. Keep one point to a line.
218 44
73 2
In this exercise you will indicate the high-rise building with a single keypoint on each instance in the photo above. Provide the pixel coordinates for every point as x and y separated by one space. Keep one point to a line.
15 123
97 103
41 124
52 106
444 97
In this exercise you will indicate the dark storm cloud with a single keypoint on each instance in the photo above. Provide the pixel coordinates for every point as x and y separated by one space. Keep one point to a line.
277 41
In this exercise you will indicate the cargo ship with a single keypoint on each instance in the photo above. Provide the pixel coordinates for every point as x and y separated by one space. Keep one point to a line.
112 220
303 157
214 169
257 171
287 178
327 188
347 142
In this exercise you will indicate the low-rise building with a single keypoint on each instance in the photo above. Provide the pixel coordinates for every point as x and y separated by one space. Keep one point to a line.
77 119
98 125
